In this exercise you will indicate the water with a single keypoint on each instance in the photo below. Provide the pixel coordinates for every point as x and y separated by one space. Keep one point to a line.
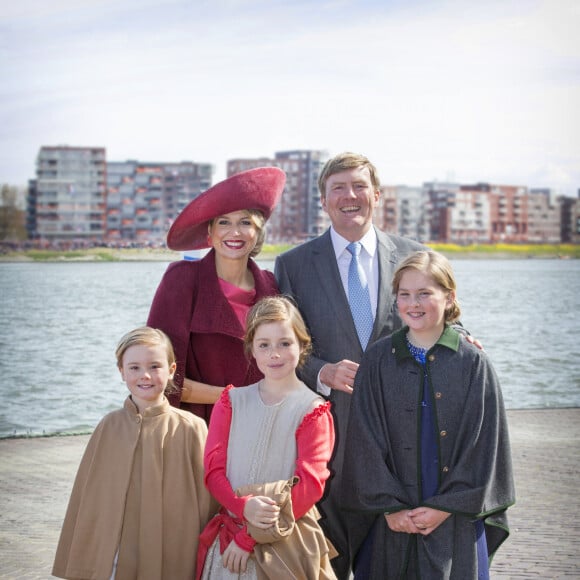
60 323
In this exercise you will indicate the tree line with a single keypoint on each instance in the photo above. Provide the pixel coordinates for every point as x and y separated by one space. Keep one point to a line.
12 215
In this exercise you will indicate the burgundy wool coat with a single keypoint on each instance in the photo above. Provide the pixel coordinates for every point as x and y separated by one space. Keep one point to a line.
190 307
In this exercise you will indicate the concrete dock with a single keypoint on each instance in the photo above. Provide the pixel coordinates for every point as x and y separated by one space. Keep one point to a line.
36 476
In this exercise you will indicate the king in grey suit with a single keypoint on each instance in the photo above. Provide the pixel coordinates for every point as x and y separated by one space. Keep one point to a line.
349 191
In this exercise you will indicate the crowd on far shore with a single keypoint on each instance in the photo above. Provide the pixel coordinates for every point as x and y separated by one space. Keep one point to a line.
70 245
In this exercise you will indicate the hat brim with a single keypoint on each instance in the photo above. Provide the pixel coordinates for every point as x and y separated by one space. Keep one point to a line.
259 189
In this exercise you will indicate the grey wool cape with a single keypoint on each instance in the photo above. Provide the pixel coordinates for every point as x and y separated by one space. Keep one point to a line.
382 467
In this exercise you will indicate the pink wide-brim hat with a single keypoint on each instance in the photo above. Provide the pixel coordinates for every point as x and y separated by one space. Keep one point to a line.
259 189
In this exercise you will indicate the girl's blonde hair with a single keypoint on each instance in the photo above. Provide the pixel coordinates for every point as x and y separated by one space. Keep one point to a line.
277 309
436 266
147 336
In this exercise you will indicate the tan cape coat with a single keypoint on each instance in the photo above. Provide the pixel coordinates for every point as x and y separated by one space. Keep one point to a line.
139 490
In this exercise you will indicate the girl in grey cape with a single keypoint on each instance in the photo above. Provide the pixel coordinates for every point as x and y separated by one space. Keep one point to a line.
427 470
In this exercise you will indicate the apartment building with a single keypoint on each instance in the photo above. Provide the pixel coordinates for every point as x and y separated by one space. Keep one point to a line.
31 202
508 212
441 197
67 200
468 218
77 196
570 218
386 216
143 198
299 215
405 210
544 217
484 213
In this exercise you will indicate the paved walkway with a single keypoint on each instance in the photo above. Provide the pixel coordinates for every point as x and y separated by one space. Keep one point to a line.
36 476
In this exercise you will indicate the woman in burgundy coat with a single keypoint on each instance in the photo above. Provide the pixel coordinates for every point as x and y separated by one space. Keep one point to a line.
202 305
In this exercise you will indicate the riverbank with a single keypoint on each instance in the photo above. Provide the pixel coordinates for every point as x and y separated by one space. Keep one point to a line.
36 477
270 251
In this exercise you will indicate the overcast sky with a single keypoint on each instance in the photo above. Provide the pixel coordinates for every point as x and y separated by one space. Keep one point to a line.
429 90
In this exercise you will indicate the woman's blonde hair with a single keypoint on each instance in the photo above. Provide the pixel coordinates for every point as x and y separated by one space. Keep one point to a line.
147 336
436 266
259 222
277 309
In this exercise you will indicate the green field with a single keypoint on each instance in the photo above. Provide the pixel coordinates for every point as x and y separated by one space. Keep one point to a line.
270 251
509 250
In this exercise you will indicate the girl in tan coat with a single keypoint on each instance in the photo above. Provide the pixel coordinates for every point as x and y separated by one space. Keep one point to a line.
139 502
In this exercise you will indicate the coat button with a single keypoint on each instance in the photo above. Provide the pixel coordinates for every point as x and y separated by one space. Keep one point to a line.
443 433
438 395
445 469
393 350
138 419
431 357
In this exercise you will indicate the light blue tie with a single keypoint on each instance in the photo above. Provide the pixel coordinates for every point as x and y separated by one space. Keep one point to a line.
359 297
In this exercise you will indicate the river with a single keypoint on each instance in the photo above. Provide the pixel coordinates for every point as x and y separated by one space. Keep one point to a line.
60 323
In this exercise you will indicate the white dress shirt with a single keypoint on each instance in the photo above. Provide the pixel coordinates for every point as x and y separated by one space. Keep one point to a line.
368 260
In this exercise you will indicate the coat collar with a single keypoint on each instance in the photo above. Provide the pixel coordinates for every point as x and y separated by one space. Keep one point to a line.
131 407
449 339
214 312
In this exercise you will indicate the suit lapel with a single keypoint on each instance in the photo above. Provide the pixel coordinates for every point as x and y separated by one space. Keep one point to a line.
388 259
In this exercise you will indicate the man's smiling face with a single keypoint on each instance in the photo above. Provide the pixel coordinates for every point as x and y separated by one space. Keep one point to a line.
350 200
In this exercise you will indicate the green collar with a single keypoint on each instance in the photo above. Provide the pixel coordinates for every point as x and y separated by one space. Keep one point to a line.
449 338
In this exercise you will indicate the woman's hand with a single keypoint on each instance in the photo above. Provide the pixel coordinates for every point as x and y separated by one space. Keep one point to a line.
235 559
196 392
261 511
427 519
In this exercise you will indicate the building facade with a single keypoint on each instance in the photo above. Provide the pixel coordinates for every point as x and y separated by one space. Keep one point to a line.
143 198
508 212
386 216
544 217
478 214
570 218
67 200
468 218
299 215
79 197
441 197
406 211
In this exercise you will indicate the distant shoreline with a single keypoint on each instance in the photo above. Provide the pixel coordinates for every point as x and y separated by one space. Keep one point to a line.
269 252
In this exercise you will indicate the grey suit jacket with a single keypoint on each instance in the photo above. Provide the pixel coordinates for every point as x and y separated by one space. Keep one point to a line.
309 273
